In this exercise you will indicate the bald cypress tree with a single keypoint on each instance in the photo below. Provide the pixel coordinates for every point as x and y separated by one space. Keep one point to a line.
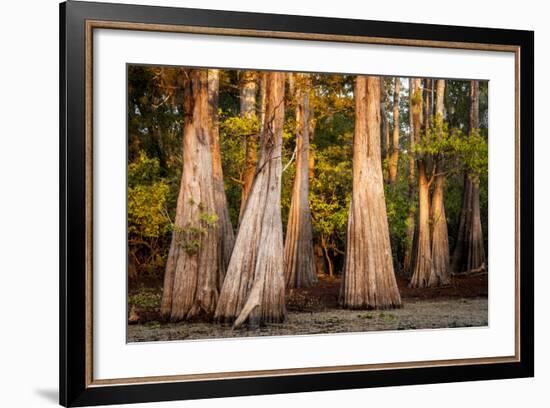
394 157
193 268
411 180
226 236
247 94
368 279
469 250
253 291
440 236
422 265
299 257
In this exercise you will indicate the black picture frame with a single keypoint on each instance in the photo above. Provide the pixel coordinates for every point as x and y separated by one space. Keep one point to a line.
74 387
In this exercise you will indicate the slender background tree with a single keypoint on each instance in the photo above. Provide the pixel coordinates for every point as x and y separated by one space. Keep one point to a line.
226 237
469 251
248 90
394 158
299 257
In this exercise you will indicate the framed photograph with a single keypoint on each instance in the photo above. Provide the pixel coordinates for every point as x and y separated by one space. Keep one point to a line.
256 204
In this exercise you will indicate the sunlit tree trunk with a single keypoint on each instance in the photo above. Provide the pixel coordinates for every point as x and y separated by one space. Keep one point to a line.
299 256
262 94
440 236
469 251
407 260
192 268
248 89
253 291
385 130
368 279
422 265
320 265
394 158
226 237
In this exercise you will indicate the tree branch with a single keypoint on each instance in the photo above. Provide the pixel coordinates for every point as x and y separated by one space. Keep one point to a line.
291 159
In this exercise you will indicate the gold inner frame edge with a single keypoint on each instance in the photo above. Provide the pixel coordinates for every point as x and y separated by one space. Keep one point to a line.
98 24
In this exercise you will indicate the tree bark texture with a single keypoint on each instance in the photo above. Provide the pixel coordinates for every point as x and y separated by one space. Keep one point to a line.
422 262
427 96
248 89
192 268
299 257
254 289
469 251
463 222
320 266
423 271
368 280
440 235
394 158
386 145
407 259
226 236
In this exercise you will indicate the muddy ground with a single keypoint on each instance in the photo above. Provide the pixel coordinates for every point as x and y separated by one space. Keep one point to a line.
315 310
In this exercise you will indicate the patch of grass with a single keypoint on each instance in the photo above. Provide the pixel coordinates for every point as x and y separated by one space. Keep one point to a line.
145 299
366 316
153 325
388 317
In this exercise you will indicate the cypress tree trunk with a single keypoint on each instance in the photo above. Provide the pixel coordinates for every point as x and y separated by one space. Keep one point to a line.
423 267
385 143
253 291
368 279
422 263
248 91
394 159
469 251
299 256
192 268
440 236
463 222
262 94
226 236
407 260
320 266
475 259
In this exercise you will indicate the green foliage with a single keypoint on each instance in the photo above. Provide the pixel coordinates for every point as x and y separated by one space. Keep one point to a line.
247 127
397 208
416 97
155 127
145 299
330 196
235 132
461 152
190 236
143 170
209 219
155 114
148 223
474 154
146 199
